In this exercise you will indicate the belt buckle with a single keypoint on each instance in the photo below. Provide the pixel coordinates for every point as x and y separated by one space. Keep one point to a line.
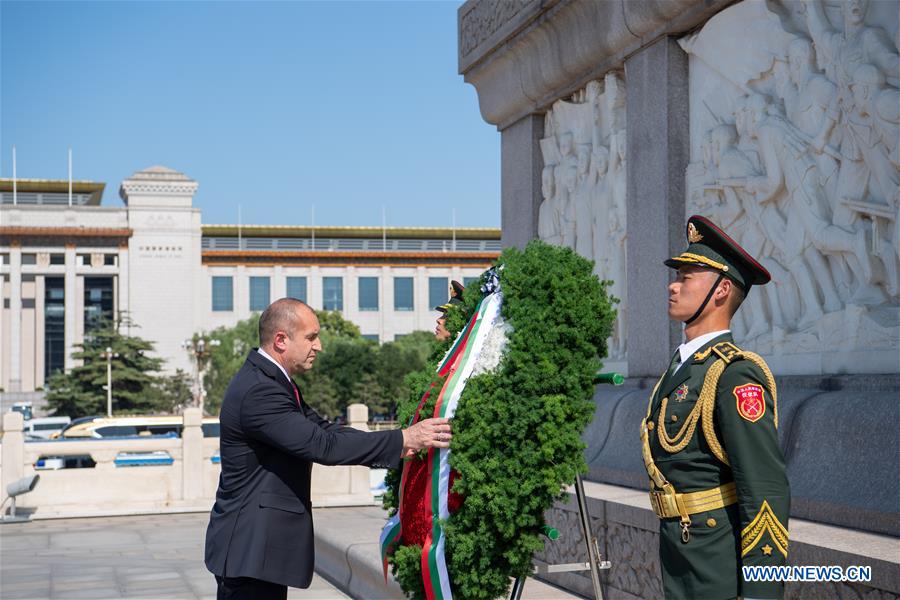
654 504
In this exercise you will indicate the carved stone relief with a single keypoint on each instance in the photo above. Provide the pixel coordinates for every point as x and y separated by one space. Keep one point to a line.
583 185
795 119
482 19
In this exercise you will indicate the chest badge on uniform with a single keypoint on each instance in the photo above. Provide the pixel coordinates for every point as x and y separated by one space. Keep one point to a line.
681 392
751 401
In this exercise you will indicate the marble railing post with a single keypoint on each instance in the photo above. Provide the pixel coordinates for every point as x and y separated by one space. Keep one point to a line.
13 450
358 417
192 454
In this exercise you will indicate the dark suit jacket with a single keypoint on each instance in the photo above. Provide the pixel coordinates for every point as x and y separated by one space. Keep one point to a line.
261 524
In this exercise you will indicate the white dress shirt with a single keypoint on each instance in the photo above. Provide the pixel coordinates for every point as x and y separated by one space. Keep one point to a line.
686 349
263 352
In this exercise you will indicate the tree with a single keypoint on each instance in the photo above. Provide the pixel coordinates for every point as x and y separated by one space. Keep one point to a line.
173 391
135 386
349 369
225 360
395 360
332 324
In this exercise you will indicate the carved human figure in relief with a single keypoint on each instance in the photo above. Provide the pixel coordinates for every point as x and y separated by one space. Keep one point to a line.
811 104
600 210
841 53
787 166
616 232
565 175
877 112
743 214
581 202
548 214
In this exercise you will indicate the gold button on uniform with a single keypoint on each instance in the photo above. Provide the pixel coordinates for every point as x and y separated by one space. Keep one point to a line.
710 522
674 418
650 425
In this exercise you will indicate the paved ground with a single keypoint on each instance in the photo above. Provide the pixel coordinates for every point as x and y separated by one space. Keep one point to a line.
150 557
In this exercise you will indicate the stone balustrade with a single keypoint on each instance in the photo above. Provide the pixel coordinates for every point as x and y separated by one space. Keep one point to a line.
181 474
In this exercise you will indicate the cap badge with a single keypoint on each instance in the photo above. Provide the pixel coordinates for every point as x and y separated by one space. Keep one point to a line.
693 235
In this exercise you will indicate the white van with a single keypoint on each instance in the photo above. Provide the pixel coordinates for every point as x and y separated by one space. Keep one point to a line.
44 427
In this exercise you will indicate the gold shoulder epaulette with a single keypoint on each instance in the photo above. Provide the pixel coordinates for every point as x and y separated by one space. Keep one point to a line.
726 351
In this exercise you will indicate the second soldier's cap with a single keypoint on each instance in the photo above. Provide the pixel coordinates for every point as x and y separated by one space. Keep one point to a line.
456 296
712 248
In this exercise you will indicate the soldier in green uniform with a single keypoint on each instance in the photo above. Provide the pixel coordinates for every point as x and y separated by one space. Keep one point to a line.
456 295
710 443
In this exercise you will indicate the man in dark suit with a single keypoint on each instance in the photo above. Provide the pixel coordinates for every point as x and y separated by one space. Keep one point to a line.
260 534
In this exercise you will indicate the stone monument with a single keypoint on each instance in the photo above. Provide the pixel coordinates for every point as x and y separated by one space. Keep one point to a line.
780 121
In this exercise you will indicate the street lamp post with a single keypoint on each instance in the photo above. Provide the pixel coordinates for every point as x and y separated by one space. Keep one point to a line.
200 350
109 355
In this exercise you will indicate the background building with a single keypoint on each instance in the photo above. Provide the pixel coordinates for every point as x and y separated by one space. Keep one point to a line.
66 260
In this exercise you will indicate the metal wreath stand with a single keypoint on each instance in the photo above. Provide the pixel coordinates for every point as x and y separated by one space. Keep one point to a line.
595 562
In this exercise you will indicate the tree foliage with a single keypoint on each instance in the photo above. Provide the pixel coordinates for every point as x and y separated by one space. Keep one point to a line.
516 432
349 369
137 386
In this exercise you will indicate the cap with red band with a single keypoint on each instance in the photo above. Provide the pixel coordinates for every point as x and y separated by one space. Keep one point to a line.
712 248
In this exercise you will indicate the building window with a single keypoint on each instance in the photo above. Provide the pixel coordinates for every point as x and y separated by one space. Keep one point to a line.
333 293
109 260
54 325
372 337
98 301
259 293
403 293
438 291
368 293
4 259
296 288
222 293
29 259
57 259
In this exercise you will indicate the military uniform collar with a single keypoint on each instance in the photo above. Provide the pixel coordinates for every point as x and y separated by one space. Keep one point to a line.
687 349
703 352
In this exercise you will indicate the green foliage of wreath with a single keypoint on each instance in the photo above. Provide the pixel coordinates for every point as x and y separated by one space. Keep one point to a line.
517 431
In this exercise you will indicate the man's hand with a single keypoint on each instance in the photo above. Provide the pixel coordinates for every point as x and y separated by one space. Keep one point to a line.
430 433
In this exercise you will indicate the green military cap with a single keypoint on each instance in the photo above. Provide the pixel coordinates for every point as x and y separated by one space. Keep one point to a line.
456 294
710 247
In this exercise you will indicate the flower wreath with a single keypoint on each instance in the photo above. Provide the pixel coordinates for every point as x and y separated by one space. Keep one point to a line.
517 379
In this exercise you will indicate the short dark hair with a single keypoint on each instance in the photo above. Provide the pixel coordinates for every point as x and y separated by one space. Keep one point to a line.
281 315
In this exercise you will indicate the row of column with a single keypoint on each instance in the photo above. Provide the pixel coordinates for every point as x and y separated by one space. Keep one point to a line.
74 326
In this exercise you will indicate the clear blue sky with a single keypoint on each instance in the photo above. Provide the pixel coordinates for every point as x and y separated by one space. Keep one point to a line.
271 106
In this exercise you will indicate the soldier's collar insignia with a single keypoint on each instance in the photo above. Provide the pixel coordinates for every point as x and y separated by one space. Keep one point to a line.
681 392
693 235
703 354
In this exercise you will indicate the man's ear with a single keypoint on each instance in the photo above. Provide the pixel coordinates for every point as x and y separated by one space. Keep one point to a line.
278 342
725 289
